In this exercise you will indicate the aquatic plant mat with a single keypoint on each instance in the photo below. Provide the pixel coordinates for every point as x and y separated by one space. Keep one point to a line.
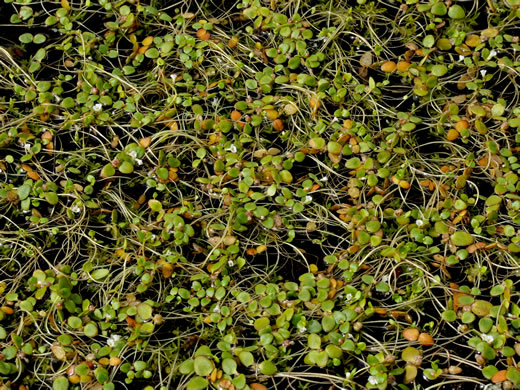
259 194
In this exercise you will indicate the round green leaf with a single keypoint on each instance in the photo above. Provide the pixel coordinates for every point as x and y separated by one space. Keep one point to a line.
197 383
25 38
229 366
456 12
107 171
246 358
267 367
74 322
126 167
39 38
439 70
91 329
100 274
60 383
202 366
428 41
144 311
152 53
439 9
186 367
461 238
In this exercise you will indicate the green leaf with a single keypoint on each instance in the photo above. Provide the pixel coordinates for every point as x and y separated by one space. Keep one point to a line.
155 205
108 171
439 9
261 323
52 198
314 341
496 291
60 383
74 322
461 238
68 102
439 70
428 41
152 53
456 12
126 167
144 311
25 38
197 383
23 191
186 367
202 366
128 70
246 358
91 329
267 367
101 374
39 38
100 274
229 366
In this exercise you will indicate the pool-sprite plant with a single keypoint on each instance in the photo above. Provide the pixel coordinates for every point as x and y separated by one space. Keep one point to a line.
259 194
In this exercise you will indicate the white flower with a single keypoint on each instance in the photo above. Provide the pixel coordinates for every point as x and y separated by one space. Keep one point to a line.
173 77
133 154
75 209
139 162
230 263
461 58
111 342
492 53
324 178
233 148
348 297
483 72
27 147
97 107
487 338
308 198
419 222
216 309
372 380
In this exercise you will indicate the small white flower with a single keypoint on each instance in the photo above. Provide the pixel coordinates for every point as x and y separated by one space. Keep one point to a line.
173 77
372 380
111 342
233 148
27 147
492 53
75 209
335 119
308 198
483 72
133 154
139 162
419 222
230 263
324 178
487 338
461 58
97 107
348 297
216 309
